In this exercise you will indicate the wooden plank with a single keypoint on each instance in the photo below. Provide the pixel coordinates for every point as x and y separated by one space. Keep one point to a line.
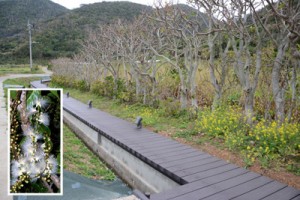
38 84
152 150
157 144
212 172
170 152
135 139
296 198
262 192
286 193
185 161
190 187
241 189
160 160
202 168
221 186
198 162
131 135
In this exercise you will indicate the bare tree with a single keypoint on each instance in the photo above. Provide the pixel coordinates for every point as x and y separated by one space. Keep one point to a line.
215 39
245 30
181 41
135 41
101 48
287 16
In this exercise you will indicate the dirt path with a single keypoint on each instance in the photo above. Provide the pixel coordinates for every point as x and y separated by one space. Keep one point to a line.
4 135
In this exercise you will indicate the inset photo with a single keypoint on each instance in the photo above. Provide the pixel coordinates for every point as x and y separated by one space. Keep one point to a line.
35 141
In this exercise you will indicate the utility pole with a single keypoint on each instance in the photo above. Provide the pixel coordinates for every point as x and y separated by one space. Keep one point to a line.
30 44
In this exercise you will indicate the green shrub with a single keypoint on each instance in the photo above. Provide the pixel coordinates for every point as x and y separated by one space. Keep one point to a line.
170 108
233 99
80 84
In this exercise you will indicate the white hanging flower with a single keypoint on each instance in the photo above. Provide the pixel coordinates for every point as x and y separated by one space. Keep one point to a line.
52 164
41 165
18 171
34 172
28 148
38 137
31 111
15 168
40 102
44 119
29 132
39 155
22 161
29 153
52 160
15 163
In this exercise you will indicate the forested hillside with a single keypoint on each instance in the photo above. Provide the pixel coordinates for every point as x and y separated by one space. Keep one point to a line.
14 14
59 35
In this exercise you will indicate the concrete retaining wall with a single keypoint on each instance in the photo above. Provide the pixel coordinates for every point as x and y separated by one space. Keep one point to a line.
135 172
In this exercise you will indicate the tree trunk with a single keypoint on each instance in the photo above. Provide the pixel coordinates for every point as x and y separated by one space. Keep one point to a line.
193 84
213 78
145 96
125 72
183 90
115 86
137 86
249 98
278 85
293 88
183 98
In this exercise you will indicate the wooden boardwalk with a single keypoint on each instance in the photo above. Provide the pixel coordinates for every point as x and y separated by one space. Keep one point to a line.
200 175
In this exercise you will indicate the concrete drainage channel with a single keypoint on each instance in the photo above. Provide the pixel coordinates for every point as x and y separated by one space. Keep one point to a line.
131 169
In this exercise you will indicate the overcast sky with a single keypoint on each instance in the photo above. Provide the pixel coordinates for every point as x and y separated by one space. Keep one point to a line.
71 4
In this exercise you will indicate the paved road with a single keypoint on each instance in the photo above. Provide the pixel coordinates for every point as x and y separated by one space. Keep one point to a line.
4 135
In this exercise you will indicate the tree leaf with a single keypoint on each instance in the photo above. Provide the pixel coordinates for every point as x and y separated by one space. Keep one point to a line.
55 93
44 129
36 94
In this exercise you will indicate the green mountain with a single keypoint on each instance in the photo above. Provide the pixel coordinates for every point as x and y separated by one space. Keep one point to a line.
59 34
14 14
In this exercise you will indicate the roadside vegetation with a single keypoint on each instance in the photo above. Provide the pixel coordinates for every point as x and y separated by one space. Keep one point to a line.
19 81
19 69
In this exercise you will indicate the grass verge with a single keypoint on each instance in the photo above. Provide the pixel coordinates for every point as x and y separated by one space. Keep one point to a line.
19 81
19 69
79 159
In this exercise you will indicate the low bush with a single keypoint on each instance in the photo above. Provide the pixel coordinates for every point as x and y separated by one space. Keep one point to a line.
170 108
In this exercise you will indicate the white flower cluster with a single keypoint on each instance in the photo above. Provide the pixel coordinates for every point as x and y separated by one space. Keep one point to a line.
33 161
